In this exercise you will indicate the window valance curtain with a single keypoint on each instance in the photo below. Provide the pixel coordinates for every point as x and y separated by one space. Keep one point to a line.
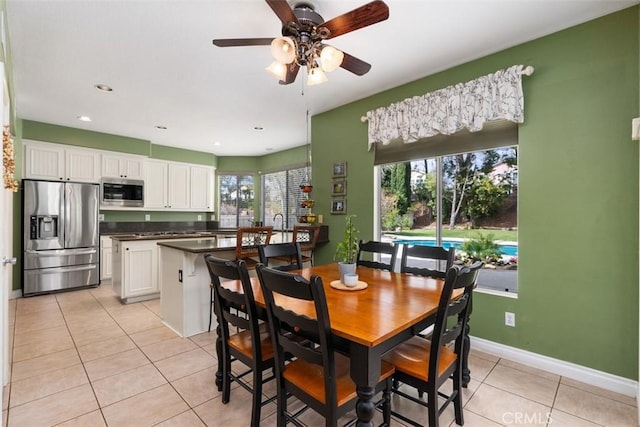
446 111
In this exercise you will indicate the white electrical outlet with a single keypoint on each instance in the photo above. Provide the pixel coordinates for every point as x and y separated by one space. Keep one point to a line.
147 217
509 319
199 217
100 217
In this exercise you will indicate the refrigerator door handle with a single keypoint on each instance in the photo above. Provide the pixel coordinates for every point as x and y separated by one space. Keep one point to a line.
67 252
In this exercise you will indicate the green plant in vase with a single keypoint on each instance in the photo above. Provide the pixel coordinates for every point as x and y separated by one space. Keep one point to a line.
347 250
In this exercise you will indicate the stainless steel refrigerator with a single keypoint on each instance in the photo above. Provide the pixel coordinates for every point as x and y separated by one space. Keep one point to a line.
60 236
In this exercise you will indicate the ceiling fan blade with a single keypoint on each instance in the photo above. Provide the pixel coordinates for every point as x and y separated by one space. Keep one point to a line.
355 65
284 12
360 17
292 72
242 42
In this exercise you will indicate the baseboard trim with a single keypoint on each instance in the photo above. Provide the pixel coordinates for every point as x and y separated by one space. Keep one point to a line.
560 367
15 294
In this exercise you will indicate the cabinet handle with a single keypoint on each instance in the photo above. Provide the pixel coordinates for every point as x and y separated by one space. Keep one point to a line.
127 248
180 276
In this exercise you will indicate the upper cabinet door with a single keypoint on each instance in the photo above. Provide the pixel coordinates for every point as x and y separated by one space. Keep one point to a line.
178 185
116 166
155 185
44 162
202 188
82 165
57 162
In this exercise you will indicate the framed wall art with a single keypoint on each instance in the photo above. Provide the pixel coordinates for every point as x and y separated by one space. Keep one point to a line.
339 187
339 170
339 205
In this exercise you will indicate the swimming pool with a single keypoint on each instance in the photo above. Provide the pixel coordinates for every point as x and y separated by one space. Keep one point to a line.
507 250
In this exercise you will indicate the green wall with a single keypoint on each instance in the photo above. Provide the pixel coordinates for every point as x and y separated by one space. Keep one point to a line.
578 211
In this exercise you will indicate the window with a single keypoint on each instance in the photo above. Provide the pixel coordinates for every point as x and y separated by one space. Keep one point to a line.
236 200
466 200
281 194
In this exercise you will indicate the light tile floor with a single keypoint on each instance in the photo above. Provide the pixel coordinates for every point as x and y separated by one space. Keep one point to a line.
84 359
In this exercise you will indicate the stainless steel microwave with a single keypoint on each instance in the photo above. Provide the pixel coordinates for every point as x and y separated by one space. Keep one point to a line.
122 192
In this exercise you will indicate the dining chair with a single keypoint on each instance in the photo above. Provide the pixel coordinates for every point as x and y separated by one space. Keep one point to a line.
251 344
377 248
318 375
307 236
433 255
247 241
427 364
287 253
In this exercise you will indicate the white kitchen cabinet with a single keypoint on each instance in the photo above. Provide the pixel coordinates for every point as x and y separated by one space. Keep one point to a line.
185 300
122 166
178 185
201 197
106 259
59 162
135 270
155 184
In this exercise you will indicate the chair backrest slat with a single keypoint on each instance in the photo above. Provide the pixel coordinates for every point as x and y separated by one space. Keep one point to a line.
374 247
435 253
306 236
287 252
249 238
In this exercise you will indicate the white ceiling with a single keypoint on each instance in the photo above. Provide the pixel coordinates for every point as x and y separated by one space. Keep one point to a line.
158 57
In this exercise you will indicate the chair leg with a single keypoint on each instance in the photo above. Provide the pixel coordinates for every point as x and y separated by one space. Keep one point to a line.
257 398
432 406
386 404
282 406
457 400
210 307
226 377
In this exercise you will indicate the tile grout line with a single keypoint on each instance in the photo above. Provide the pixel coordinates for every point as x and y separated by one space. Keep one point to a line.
84 368
152 363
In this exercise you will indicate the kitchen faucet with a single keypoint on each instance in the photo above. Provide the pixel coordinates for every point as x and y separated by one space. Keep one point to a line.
284 237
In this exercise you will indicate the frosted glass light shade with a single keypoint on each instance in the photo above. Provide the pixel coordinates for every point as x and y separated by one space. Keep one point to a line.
330 58
277 70
283 50
316 76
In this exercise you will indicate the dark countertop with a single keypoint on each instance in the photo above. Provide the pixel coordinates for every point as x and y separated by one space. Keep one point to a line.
200 246
162 235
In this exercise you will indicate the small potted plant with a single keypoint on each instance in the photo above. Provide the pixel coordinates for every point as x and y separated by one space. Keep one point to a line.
347 250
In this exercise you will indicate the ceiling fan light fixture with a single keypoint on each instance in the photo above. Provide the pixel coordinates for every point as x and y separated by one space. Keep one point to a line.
330 58
277 70
316 76
283 50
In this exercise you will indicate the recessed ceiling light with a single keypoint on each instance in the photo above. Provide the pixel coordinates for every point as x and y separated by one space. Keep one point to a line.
105 88
161 127
258 128
84 118
217 143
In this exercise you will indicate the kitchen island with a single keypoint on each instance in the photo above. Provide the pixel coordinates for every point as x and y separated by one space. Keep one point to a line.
185 297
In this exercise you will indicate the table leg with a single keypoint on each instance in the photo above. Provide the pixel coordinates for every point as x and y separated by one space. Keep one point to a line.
365 373
365 408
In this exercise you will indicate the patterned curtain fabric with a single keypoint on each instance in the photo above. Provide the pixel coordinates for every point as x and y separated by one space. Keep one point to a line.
462 106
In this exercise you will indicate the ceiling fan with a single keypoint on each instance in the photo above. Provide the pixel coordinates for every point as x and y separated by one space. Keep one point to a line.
302 43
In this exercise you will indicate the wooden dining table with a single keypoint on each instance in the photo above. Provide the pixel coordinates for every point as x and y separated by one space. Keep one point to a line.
369 322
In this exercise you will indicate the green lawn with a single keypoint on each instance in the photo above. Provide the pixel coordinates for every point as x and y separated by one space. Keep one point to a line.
510 235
